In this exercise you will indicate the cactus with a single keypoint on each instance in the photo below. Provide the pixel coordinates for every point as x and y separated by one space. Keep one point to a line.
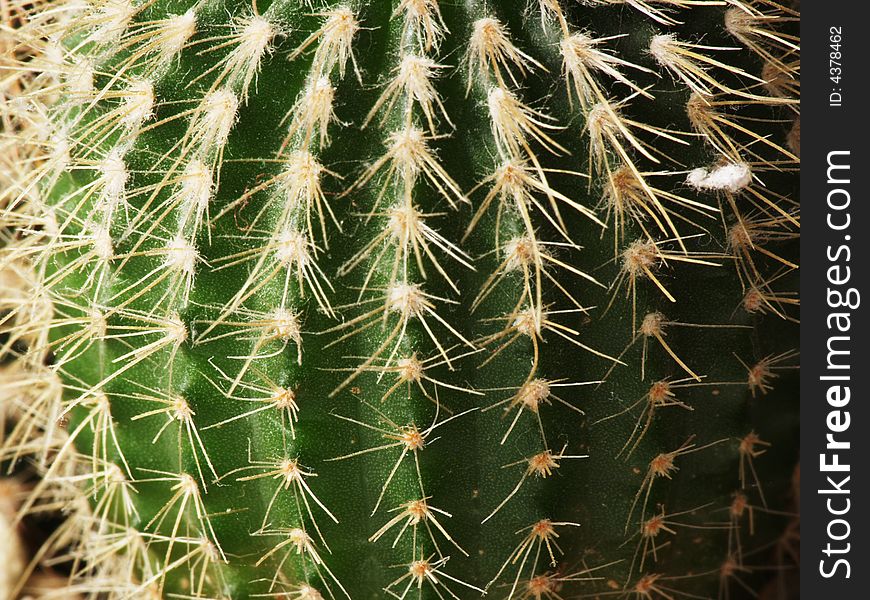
409 299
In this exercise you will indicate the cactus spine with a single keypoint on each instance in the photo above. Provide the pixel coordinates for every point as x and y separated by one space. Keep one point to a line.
367 299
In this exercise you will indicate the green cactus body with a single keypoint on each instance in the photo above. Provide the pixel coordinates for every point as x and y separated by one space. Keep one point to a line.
420 299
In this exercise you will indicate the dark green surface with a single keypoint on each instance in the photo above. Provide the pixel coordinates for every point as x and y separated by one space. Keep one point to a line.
462 470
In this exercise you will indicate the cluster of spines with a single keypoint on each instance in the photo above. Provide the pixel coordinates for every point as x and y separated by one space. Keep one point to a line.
405 257
161 224
528 265
173 216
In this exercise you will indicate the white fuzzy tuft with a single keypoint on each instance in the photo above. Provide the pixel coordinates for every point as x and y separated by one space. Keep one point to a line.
336 42
174 34
217 115
732 177
80 78
661 48
196 188
60 150
102 242
113 18
113 177
284 324
138 105
292 249
405 298
181 256
313 112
